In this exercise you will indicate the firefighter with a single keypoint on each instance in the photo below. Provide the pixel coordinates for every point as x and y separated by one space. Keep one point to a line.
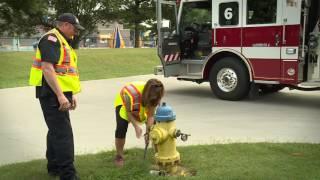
54 73
135 104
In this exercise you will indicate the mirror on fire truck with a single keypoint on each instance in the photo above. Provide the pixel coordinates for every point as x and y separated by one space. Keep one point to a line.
165 23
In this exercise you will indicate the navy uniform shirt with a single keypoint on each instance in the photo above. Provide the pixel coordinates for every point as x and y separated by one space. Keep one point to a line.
49 47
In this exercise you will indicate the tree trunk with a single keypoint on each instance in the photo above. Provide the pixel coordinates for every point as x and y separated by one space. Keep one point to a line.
137 42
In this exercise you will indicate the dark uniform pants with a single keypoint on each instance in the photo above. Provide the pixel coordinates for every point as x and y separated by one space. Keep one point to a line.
60 146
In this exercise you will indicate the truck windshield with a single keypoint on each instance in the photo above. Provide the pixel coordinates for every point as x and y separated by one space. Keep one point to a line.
196 14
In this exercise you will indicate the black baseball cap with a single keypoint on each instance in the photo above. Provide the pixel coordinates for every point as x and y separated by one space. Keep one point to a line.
70 18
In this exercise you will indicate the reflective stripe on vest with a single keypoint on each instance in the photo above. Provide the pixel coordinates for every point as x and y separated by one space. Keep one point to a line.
37 63
66 58
136 99
65 68
61 70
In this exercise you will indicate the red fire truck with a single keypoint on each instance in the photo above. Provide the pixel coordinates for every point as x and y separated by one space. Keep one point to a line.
240 45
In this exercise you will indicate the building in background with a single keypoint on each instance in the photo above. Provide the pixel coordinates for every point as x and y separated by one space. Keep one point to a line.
103 37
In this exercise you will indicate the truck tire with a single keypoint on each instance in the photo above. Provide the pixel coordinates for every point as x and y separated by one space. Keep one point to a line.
229 79
270 88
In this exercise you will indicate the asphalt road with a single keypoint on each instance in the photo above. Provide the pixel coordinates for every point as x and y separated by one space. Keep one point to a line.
287 116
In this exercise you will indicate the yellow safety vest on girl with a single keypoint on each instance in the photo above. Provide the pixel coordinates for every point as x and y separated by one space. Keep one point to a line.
134 91
66 68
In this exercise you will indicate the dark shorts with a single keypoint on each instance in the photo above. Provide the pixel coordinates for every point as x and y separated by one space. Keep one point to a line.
122 125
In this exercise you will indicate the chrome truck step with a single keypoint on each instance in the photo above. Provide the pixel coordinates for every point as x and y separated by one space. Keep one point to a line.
307 86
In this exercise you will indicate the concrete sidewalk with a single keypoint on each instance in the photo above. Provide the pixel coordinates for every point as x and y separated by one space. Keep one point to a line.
209 120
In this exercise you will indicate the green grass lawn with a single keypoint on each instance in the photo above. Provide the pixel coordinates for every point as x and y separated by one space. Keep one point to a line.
93 64
221 161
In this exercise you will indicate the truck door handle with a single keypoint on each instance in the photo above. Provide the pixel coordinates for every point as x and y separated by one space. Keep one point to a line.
284 31
172 44
215 42
277 39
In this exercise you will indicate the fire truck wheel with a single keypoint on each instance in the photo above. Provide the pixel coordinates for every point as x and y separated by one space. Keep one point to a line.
229 79
272 88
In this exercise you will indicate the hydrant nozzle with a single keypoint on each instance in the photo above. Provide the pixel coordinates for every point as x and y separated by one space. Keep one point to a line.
184 137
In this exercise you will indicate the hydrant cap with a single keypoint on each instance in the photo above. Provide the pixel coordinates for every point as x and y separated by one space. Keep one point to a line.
164 113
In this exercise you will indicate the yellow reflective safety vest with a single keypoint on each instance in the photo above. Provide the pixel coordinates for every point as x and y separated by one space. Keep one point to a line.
134 91
66 69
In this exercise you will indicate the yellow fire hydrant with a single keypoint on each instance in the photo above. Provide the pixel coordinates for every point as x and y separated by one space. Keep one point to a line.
163 135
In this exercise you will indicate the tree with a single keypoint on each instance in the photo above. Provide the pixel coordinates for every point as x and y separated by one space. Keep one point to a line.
20 17
134 12
89 12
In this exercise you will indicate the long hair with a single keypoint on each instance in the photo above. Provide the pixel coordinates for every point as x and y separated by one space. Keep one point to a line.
152 93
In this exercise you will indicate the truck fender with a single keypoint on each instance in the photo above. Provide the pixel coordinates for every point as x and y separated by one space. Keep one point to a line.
213 57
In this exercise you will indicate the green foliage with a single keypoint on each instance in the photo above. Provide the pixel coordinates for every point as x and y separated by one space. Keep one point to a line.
93 64
89 12
20 17
241 161
196 13
136 11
